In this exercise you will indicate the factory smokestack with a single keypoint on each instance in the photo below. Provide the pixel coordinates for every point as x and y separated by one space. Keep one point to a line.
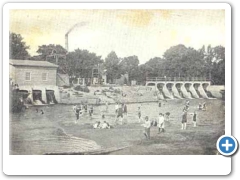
70 30
66 42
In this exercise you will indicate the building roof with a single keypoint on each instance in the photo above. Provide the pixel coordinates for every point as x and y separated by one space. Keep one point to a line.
32 63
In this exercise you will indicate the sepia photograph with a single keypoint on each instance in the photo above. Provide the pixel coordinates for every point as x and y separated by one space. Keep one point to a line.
116 81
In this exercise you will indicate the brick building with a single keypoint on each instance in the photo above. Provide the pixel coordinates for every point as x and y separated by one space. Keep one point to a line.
35 77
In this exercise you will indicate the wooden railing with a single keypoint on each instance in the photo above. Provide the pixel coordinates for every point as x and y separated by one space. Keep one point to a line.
177 79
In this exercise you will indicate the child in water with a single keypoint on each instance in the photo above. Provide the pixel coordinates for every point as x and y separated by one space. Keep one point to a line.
194 119
161 123
139 114
90 111
184 120
167 114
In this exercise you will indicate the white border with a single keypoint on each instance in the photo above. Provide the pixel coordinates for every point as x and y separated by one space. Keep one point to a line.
114 165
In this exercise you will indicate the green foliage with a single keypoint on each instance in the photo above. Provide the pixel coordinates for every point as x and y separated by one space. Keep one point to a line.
156 67
49 52
81 63
112 66
129 65
17 47
82 88
215 64
16 105
184 62
55 54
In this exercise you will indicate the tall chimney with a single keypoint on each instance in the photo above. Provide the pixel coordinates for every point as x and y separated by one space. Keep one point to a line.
66 42
66 35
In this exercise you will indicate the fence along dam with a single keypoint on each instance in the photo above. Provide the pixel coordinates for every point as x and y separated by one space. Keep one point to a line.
180 88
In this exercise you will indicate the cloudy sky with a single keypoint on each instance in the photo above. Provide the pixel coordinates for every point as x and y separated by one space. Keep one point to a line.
145 33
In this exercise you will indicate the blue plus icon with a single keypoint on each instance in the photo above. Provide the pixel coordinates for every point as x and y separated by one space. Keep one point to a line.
227 145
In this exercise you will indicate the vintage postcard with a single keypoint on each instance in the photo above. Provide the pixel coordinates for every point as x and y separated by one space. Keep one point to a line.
118 79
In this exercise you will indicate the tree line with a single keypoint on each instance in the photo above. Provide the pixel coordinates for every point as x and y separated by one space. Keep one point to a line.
177 61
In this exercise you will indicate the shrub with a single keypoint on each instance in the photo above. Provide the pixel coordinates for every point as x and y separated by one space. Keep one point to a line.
16 105
117 91
82 88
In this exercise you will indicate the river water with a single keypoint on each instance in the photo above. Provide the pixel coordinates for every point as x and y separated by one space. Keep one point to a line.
32 132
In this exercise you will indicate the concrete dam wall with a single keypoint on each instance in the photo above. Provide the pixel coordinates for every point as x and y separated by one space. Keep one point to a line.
184 89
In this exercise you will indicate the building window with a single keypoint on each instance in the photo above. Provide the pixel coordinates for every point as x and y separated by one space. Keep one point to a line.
28 76
44 76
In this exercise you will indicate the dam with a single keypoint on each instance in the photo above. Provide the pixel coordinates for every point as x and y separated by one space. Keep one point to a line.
181 87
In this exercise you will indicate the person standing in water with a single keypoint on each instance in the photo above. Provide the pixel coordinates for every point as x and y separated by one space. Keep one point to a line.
86 108
159 103
161 123
184 120
116 108
204 107
125 109
106 105
119 115
74 108
77 111
90 111
167 114
199 106
139 112
147 127
194 119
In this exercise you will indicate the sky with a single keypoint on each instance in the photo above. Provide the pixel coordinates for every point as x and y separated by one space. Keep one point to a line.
144 33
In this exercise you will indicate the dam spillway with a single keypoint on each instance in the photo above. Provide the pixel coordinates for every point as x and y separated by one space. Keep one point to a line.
178 88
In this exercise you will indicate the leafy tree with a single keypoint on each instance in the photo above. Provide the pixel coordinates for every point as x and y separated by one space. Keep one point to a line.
141 74
218 53
112 66
184 62
218 73
156 67
218 69
53 53
202 50
49 52
81 63
129 65
17 47
215 64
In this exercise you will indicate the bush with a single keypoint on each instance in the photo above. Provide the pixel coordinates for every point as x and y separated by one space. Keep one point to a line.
16 105
66 87
82 88
117 91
